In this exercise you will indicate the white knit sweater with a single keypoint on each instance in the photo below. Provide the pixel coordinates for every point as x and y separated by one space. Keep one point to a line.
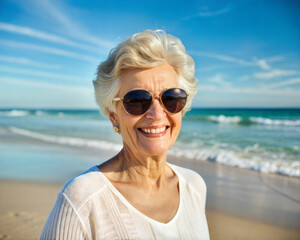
90 207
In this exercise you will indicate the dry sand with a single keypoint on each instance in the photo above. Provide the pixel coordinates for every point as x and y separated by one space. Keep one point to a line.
26 205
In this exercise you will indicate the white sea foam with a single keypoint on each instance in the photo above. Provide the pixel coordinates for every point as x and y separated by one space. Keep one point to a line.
79 142
15 113
222 119
277 122
225 119
39 113
228 158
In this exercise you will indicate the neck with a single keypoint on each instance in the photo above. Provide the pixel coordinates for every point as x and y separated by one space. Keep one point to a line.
144 170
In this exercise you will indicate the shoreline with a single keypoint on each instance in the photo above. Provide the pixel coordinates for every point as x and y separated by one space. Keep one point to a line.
266 198
241 204
288 168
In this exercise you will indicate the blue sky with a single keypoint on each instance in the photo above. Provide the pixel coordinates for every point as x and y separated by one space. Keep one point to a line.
247 53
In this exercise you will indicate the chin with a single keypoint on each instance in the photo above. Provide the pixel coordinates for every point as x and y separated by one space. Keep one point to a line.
156 150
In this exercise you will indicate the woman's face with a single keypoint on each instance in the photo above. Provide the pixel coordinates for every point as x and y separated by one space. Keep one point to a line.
133 128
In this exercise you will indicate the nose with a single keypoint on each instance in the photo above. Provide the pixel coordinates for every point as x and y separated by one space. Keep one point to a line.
156 111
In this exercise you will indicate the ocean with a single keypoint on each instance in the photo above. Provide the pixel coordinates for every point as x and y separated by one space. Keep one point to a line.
265 140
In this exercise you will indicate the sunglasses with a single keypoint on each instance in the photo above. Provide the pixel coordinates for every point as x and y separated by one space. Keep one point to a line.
137 102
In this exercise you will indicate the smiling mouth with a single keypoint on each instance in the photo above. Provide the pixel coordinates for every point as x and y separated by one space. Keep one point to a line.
154 131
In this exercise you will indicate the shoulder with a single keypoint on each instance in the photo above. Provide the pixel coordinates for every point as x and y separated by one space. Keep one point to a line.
69 214
191 178
83 187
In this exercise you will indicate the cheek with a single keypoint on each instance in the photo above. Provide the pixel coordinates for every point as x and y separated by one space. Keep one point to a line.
128 132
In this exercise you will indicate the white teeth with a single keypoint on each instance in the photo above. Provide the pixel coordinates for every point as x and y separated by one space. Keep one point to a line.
156 130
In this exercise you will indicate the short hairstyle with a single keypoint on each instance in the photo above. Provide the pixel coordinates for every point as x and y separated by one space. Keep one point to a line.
144 50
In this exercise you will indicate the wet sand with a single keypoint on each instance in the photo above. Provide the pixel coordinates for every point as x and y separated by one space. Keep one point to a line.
241 204
251 195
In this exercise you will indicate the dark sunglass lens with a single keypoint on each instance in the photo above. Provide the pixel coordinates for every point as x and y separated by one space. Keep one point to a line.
174 99
137 102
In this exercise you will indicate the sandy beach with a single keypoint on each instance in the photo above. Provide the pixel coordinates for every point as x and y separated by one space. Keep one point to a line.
241 204
26 205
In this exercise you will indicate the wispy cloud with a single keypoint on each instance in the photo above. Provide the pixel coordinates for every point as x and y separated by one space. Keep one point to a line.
275 59
243 78
26 61
264 90
45 36
255 62
43 74
219 79
274 73
222 58
284 83
37 83
205 12
262 63
61 16
207 68
45 94
54 51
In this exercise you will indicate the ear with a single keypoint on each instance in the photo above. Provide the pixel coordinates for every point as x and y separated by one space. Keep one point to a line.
113 118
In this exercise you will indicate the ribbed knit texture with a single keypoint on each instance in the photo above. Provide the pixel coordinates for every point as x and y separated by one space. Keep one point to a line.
90 207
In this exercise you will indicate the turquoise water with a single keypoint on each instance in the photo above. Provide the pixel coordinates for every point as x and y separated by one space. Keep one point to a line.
266 140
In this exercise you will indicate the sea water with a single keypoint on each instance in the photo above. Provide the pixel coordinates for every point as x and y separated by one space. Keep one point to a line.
266 140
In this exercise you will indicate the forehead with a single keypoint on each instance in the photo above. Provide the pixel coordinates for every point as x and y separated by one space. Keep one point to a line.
152 79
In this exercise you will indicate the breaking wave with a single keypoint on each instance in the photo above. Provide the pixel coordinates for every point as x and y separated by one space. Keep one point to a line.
228 158
222 119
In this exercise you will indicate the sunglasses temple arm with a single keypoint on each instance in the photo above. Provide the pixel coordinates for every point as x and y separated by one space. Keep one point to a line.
117 99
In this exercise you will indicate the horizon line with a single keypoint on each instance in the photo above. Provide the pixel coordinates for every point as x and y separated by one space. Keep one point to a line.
97 109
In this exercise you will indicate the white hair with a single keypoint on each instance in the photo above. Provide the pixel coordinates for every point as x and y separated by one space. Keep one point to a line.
144 50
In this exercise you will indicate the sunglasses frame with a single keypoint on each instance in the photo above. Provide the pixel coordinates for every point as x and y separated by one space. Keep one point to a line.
162 104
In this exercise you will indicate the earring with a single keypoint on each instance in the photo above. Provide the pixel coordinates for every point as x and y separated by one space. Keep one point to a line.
116 129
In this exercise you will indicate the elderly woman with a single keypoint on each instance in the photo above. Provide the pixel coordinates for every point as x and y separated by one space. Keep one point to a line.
145 86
